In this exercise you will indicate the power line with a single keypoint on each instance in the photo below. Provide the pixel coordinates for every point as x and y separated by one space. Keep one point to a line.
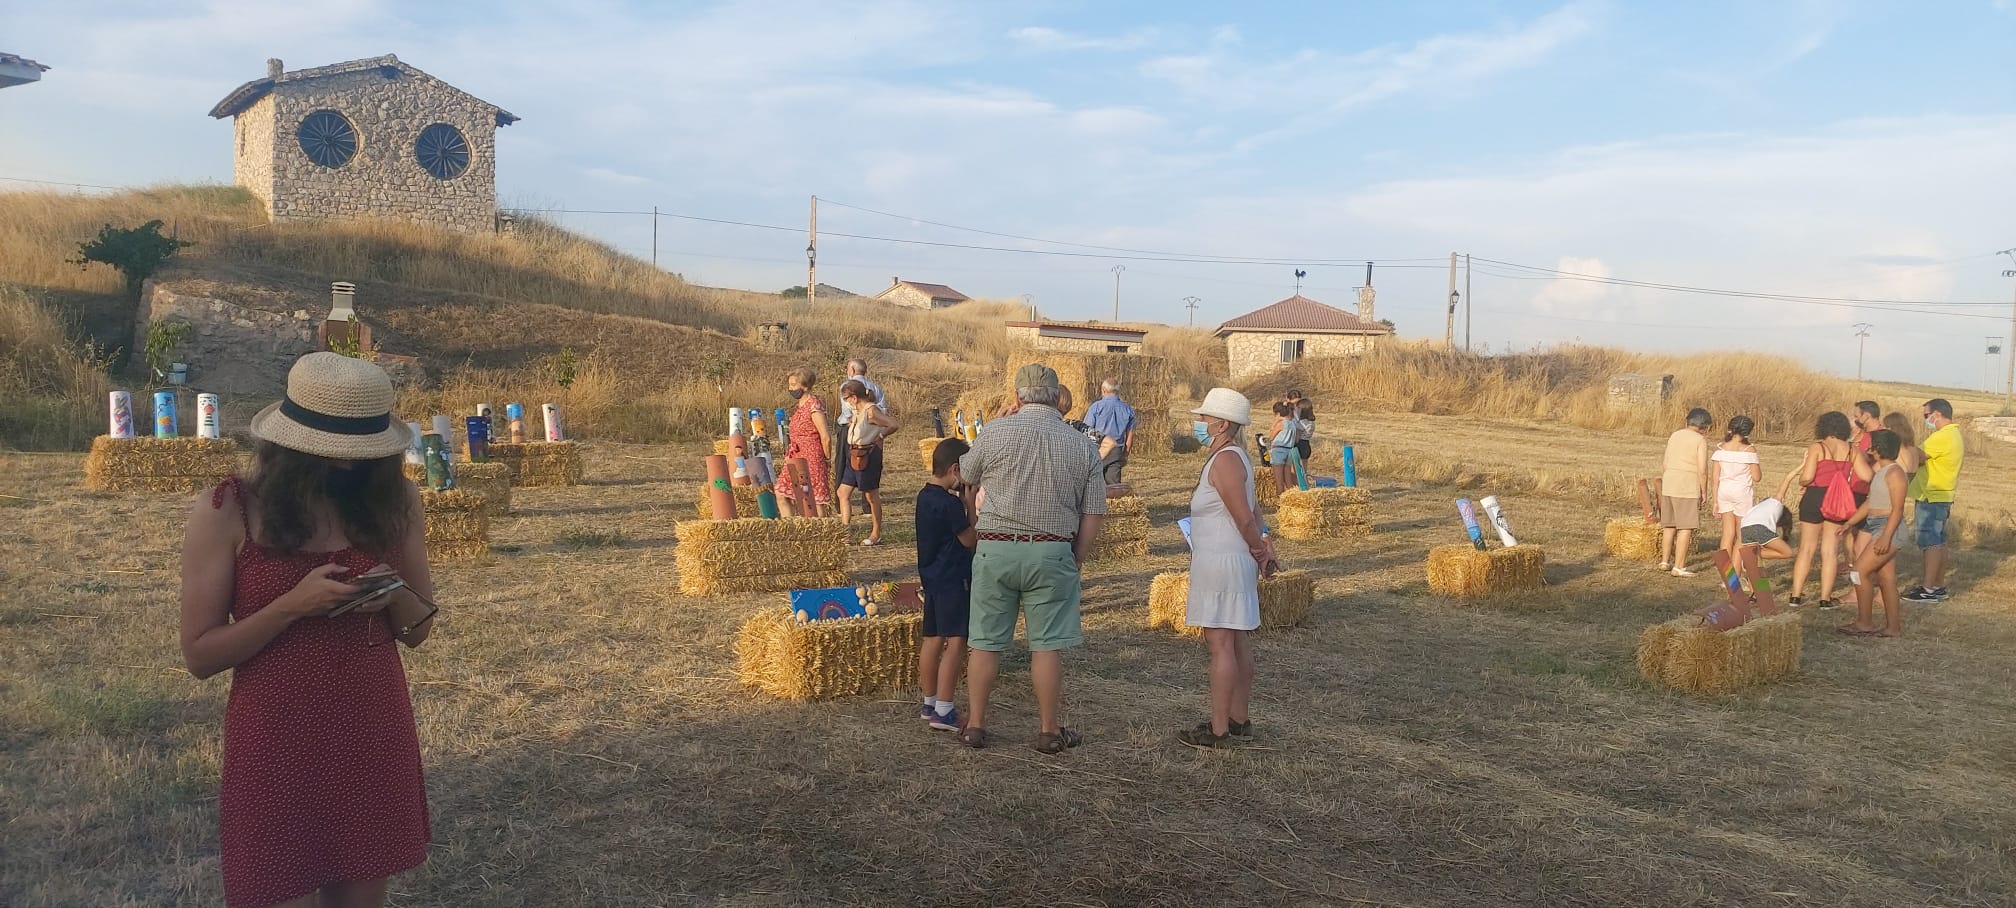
1034 239
1743 294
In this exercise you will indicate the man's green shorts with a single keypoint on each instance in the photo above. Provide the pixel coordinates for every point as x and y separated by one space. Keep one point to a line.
1038 579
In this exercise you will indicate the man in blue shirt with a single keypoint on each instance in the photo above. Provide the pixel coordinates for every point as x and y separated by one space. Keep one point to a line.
1113 418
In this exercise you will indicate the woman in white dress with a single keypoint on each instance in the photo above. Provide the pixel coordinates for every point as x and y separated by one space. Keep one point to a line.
1228 555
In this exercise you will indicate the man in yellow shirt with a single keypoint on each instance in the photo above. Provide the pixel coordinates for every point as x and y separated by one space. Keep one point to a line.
1933 489
1683 480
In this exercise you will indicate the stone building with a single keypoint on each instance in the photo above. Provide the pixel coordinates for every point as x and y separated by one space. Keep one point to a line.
372 138
1076 337
918 295
1298 328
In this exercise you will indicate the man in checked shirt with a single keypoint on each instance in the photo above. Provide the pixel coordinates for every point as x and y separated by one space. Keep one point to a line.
1044 498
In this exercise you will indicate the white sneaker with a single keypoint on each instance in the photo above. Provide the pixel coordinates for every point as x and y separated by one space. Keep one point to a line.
1682 572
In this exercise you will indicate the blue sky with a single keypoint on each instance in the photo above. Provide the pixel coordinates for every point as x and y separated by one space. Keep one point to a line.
1828 149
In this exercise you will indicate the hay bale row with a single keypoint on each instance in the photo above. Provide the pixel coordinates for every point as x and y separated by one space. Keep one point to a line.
1124 532
1464 572
1337 513
158 464
1285 601
458 525
745 501
1263 485
541 463
489 481
1686 655
927 447
821 660
1155 432
751 554
1631 538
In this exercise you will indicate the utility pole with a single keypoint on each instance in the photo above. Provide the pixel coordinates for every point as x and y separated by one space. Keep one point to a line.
1862 332
1190 303
1116 290
1449 327
1466 302
812 256
2009 390
1029 299
654 236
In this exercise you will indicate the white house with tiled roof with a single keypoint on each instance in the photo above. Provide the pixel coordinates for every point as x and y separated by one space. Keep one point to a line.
920 295
1298 328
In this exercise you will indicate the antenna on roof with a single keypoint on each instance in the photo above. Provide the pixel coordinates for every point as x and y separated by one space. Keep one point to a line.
1299 275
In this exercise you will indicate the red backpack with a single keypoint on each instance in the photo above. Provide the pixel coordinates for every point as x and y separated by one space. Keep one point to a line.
1839 505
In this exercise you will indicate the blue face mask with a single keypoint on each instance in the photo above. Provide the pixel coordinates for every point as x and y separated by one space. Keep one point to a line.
1929 425
1202 430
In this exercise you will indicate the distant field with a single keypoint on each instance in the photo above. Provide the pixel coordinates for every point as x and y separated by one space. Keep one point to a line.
586 744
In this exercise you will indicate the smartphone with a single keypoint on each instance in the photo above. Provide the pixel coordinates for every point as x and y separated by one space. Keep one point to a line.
375 584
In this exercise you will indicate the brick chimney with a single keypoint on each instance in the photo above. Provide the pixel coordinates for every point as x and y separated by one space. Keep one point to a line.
274 68
1365 295
893 281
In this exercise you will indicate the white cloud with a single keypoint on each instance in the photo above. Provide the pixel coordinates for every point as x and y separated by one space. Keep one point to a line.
1569 293
1045 39
605 175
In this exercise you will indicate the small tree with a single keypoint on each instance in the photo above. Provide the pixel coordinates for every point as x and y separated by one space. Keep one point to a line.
793 293
137 252
162 339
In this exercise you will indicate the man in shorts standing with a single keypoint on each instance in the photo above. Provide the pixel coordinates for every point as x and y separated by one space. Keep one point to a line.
1683 479
1932 489
1044 496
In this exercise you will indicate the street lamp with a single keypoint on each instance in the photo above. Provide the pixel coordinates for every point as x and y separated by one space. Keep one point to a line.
811 272
1449 331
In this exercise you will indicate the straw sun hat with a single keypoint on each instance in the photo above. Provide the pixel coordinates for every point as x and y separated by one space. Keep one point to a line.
336 407
1226 404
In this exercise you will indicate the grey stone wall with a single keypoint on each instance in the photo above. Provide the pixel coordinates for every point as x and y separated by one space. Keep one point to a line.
240 352
1632 391
1250 355
384 179
906 295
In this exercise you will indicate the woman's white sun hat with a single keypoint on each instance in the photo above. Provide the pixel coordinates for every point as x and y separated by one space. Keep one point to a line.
336 407
1226 404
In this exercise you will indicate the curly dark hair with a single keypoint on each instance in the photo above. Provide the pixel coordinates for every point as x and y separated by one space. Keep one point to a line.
368 498
1832 424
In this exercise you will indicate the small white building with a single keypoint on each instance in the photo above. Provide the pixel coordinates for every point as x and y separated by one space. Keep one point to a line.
1298 328
1076 337
919 295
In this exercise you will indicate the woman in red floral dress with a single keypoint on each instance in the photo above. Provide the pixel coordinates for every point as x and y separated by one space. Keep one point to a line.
810 439
322 791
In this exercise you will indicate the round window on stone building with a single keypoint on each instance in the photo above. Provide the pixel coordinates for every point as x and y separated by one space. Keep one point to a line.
327 138
443 151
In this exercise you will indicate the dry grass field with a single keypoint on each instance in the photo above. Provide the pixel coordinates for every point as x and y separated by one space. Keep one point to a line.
585 743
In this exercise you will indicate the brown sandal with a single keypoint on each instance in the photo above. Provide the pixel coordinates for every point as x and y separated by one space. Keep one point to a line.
973 736
1063 740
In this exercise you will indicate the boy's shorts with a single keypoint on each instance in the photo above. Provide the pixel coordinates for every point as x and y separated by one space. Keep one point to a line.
1932 522
946 610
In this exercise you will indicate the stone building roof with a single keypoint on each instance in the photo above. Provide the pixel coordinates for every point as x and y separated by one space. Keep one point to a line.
246 95
1303 315
934 291
1085 329
19 70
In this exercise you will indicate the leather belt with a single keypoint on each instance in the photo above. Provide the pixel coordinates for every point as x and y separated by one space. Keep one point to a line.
1025 537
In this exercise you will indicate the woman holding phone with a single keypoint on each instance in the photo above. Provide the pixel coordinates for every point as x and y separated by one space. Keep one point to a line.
284 582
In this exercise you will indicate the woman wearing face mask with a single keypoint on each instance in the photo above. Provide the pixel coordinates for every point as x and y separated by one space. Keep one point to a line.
1228 556
322 793
810 438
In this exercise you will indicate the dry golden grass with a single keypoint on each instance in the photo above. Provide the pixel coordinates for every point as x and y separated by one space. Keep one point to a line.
52 389
586 741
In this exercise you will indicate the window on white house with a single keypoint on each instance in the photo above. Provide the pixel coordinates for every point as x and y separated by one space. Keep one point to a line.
1117 348
1291 351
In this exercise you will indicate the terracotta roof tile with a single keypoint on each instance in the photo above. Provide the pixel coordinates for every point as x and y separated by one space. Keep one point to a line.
1300 313
935 291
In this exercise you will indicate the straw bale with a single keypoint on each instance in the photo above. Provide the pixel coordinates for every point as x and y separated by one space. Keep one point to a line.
1154 431
458 524
1286 600
1462 571
541 463
751 554
1631 538
721 446
489 481
158 464
1323 513
927 447
979 402
1146 382
1689 656
1124 532
745 501
1263 485
821 660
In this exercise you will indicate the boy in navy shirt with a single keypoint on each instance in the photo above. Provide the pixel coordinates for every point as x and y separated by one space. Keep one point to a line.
945 540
